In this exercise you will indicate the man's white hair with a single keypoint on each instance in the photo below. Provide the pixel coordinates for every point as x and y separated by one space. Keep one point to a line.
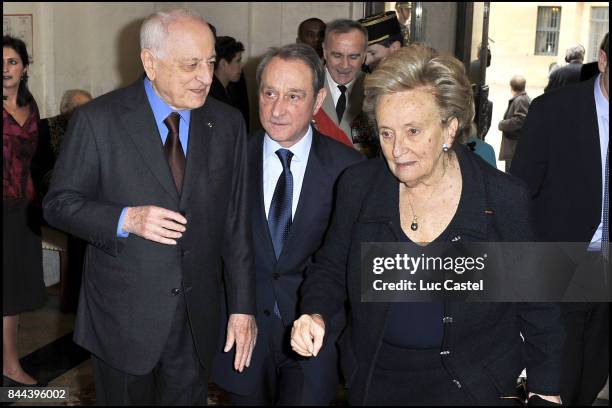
154 30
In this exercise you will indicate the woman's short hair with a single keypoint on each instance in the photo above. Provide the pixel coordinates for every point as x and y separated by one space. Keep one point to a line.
226 48
24 97
422 67
154 29
295 52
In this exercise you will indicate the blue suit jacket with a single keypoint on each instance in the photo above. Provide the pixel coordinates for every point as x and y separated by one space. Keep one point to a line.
281 279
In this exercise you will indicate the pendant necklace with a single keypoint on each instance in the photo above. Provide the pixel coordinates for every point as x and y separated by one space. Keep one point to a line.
415 224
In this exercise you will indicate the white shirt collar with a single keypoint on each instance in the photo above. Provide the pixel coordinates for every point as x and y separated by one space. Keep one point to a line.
601 103
300 150
334 85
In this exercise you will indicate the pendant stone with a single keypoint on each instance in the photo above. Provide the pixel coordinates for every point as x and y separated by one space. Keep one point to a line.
414 226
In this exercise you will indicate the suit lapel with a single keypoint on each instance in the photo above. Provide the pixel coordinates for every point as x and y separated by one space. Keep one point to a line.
137 117
261 232
354 103
328 104
201 128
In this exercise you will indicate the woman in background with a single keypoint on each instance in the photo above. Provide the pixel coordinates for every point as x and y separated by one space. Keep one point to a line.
22 275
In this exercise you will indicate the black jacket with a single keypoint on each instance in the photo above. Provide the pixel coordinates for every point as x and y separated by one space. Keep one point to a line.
566 75
482 348
559 158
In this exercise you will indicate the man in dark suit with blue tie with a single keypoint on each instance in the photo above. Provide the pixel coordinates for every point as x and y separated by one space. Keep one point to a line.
153 177
293 171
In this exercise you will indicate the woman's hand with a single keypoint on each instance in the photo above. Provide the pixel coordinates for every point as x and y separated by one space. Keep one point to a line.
307 335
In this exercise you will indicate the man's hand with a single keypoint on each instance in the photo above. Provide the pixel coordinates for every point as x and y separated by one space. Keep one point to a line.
307 335
242 330
154 223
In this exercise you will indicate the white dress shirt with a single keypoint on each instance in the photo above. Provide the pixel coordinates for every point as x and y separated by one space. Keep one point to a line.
603 121
335 92
272 168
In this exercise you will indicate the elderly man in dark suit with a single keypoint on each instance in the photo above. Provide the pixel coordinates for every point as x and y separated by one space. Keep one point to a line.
514 118
563 157
293 170
152 176
570 73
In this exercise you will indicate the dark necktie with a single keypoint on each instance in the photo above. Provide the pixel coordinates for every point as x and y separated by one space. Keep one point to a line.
341 105
173 150
279 215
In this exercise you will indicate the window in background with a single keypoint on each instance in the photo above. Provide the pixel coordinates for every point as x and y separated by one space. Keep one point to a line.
599 28
547 34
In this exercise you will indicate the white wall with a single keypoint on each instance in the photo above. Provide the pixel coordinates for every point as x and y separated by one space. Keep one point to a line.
95 46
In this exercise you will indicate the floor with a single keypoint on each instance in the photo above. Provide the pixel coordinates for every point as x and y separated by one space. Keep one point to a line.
49 354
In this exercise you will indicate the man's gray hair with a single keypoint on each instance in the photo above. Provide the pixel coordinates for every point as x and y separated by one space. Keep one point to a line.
67 104
575 53
343 26
154 29
295 52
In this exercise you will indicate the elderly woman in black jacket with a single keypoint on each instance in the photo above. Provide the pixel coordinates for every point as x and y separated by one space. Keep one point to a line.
428 189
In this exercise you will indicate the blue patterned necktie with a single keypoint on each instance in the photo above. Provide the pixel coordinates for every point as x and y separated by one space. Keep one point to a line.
605 236
279 216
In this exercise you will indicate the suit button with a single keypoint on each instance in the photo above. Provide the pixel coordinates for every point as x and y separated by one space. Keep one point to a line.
184 252
266 312
276 276
175 291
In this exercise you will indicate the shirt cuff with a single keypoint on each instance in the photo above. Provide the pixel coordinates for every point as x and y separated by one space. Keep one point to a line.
120 232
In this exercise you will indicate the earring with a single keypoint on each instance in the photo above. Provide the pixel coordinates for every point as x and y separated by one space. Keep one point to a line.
445 148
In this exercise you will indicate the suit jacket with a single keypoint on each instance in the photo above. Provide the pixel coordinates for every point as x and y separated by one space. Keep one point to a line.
559 157
511 125
353 107
566 75
112 157
280 279
484 350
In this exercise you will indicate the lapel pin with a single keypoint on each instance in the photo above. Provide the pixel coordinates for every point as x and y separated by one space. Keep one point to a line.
210 124
488 212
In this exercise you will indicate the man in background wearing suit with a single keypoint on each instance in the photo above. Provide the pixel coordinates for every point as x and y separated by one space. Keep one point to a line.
570 73
293 169
153 177
563 157
344 49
